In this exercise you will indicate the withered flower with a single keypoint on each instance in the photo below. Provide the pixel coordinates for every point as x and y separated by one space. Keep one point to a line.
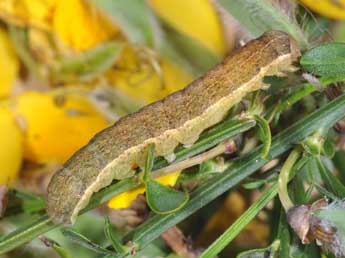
309 225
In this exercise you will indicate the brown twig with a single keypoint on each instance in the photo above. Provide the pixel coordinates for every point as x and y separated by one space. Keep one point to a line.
181 245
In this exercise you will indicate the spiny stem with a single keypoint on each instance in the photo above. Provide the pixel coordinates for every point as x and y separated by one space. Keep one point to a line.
283 179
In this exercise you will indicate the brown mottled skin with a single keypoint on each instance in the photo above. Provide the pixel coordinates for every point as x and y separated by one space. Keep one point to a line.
81 170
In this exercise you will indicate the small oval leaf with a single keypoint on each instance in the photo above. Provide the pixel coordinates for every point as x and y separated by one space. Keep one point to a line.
162 199
325 60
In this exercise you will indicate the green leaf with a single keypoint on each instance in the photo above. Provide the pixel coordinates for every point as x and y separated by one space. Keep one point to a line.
240 223
206 170
325 60
161 199
199 57
113 236
327 80
333 184
325 193
268 252
134 18
259 16
339 163
313 144
87 65
283 235
164 200
25 233
84 241
149 162
266 133
254 183
62 252
328 148
292 98
31 202
20 40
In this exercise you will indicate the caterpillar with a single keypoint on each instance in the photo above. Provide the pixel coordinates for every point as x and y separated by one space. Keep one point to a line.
177 119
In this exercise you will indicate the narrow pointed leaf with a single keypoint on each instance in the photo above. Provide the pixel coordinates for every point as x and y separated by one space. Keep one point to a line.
333 184
199 56
149 162
62 252
134 18
84 241
113 236
267 139
86 66
325 193
240 223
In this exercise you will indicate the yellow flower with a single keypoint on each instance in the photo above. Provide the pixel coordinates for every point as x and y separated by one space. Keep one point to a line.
195 18
9 65
80 26
77 23
55 127
11 147
330 8
124 200
36 13
139 80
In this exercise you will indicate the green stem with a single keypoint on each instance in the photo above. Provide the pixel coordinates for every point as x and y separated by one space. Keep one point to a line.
284 176
240 223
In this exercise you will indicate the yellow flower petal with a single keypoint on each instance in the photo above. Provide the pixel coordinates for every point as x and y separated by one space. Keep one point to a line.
169 179
28 12
79 25
125 199
329 8
9 65
196 18
11 147
138 79
53 130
